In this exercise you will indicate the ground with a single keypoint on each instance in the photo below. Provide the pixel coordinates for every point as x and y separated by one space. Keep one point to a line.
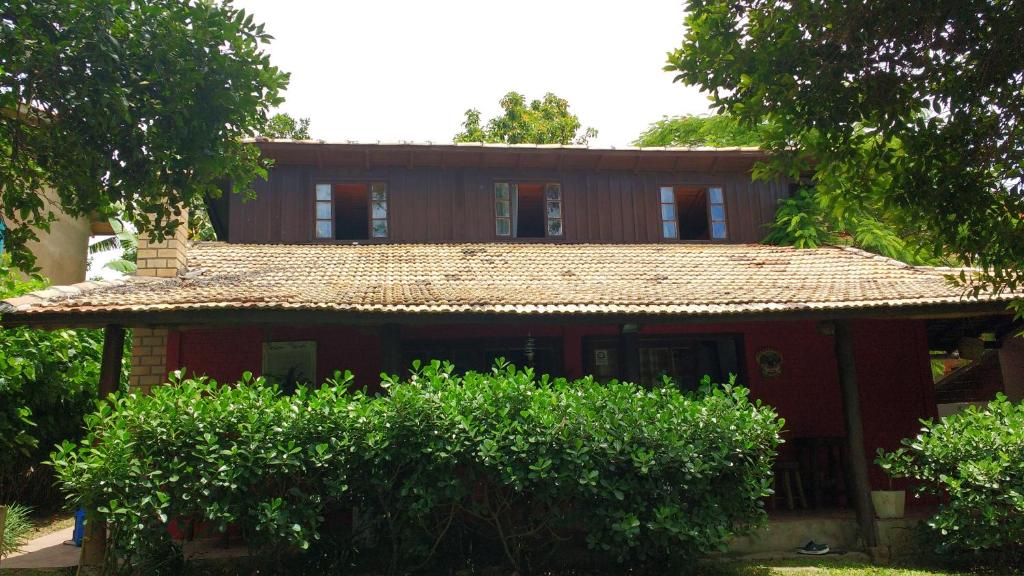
820 567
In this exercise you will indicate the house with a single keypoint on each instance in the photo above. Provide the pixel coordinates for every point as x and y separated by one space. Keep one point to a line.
627 263
62 252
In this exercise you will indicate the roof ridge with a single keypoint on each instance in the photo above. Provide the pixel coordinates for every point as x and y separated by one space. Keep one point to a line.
505 145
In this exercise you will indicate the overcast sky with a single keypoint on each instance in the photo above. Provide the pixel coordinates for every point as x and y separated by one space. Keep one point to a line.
391 70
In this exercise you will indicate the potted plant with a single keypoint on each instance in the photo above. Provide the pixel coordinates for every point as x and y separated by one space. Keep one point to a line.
889 503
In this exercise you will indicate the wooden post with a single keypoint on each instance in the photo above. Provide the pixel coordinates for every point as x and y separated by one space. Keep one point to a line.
113 352
94 540
630 353
391 349
858 462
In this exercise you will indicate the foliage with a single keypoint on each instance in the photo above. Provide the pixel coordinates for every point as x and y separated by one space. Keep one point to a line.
124 239
546 121
500 464
141 105
718 130
17 527
929 97
973 461
284 126
48 383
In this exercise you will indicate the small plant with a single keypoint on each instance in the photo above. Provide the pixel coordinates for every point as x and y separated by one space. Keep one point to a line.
16 529
973 462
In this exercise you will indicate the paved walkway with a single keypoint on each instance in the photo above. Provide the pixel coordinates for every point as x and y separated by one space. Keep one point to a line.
45 552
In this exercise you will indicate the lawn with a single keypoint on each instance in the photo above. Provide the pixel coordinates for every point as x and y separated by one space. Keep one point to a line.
819 567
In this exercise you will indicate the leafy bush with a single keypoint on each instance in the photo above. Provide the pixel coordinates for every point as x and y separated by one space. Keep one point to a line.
477 465
974 461
16 528
48 383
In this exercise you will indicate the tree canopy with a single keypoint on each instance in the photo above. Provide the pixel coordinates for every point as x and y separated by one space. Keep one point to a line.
137 105
285 126
546 121
916 111
719 130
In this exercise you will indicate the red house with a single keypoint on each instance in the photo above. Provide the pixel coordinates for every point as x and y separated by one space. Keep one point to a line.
636 264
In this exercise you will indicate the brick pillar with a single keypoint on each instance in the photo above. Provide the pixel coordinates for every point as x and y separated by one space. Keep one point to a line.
164 259
149 359
149 345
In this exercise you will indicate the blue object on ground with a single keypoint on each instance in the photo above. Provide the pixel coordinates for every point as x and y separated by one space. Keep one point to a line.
79 531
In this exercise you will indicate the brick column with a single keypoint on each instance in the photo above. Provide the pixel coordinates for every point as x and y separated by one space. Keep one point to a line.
149 359
149 345
163 259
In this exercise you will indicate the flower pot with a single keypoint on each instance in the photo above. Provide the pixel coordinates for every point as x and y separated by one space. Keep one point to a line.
889 503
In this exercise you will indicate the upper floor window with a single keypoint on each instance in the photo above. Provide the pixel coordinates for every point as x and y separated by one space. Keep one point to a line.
689 213
528 210
352 211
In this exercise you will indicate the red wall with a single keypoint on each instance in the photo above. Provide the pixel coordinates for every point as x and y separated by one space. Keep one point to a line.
892 365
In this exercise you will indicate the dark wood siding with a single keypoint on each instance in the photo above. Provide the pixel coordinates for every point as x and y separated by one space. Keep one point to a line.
434 204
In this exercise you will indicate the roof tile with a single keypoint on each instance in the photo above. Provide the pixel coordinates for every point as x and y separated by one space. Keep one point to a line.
512 278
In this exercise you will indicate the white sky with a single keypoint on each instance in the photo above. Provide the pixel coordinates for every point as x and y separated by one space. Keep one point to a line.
407 70
391 70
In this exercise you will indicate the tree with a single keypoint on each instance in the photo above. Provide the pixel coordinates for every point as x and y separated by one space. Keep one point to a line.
718 130
546 121
137 104
930 97
124 239
284 126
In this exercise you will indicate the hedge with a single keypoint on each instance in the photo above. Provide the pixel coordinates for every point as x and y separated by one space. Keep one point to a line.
974 462
499 466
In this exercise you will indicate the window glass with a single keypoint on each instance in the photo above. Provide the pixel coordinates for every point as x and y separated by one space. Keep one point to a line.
667 197
668 230
323 210
553 193
323 192
555 227
502 210
716 200
323 229
379 210
502 227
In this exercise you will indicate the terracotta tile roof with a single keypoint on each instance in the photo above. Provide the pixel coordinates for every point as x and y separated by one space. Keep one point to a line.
664 279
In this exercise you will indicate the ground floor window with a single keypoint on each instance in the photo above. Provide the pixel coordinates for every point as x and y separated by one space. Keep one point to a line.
682 359
544 355
289 364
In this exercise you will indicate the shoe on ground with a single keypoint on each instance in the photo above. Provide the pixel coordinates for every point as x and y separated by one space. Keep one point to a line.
813 549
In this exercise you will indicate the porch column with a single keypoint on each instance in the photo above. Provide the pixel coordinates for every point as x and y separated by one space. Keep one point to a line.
630 353
858 462
391 349
94 540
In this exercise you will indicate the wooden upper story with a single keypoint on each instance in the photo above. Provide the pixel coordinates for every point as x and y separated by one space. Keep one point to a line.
415 193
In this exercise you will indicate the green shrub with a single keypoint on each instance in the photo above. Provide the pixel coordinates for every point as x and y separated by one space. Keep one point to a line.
493 466
16 529
48 382
974 462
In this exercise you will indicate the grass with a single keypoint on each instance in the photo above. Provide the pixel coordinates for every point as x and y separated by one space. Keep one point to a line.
820 567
